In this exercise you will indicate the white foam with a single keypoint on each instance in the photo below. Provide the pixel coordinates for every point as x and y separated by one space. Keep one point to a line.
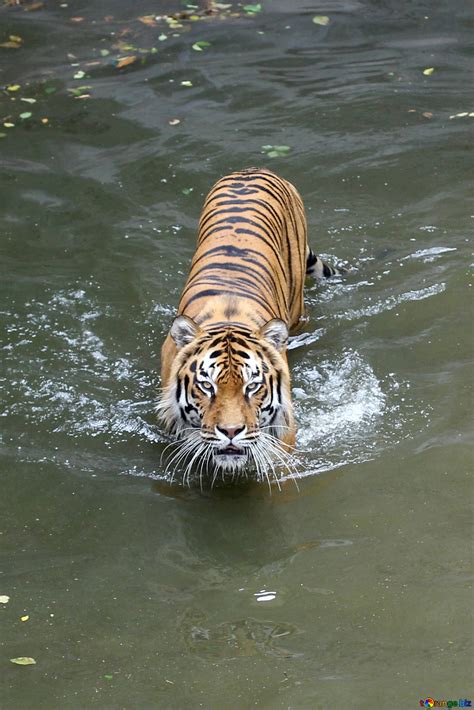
392 302
429 254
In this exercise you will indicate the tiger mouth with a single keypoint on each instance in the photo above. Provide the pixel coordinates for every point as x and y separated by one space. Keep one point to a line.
230 451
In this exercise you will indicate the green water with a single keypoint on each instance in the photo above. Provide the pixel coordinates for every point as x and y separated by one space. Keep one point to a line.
353 592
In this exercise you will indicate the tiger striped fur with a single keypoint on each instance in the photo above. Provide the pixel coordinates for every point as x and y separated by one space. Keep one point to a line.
225 375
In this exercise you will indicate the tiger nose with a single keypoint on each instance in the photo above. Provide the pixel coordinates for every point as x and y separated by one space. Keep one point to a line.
230 431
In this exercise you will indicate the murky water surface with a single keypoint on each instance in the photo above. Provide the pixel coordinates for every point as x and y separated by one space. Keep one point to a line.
353 592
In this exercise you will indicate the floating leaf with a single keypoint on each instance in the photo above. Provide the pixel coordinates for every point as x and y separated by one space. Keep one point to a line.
45 120
24 618
186 83
15 38
126 61
10 45
252 9
50 89
162 37
148 20
321 20
77 19
174 121
104 52
7 124
276 151
28 101
107 676
428 71
3 135
199 46
13 87
427 114
4 598
79 74
25 115
187 190
23 661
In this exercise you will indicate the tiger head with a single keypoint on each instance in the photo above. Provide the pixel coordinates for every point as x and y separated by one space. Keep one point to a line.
228 396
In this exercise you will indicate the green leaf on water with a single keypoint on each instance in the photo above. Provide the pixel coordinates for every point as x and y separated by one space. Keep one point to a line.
162 37
104 52
199 46
28 101
79 74
107 676
321 20
25 115
252 9
186 83
23 661
276 151
187 190
50 90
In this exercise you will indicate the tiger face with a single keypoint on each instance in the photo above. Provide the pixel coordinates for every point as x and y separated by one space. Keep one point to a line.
228 396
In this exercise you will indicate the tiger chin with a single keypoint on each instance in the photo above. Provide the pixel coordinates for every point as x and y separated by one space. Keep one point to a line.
226 382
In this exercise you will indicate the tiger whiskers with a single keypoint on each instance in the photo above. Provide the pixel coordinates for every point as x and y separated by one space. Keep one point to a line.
264 452
268 446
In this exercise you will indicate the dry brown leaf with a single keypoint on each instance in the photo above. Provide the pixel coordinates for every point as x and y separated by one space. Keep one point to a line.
126 61
34 6
148 20
427 114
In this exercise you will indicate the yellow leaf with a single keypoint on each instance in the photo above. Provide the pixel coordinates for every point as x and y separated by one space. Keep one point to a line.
125 61
24 618
4 599
13 87
148 20
45 120
10 45
15 38
428 71
321 20
7 124
23 661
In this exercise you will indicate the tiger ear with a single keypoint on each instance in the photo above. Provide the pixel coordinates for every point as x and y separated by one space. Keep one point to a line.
183 330
276 332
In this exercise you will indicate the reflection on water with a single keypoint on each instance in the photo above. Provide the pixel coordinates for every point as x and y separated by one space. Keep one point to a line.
351 588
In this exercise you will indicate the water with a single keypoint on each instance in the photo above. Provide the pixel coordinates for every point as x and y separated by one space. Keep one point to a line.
353 591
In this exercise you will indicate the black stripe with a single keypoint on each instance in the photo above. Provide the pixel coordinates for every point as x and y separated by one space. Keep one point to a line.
232 266
234 292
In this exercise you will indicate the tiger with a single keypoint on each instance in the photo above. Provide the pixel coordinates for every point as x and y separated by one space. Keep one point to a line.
224 369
